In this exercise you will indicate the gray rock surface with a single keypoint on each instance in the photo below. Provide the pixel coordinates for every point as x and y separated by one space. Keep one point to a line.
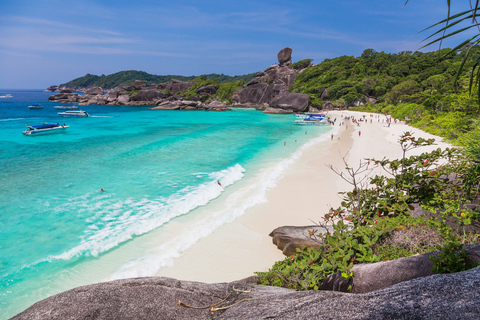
148 95
451 296
207 90
94 91
298 102
277 111
285 56
288 238
123 99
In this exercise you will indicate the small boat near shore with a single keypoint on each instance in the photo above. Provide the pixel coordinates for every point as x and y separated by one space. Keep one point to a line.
7 96
35 106
66 107
74 113
44 128
311 119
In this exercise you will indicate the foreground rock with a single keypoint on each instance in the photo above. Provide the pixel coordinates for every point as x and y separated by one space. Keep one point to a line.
452 296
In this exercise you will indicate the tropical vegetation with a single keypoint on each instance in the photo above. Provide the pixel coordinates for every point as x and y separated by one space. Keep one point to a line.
125 78
374 220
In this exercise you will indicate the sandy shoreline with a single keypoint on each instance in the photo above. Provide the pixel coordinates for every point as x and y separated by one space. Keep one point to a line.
306 192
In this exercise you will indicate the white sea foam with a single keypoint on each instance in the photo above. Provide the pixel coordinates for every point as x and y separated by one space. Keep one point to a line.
13 119
234 206
117 222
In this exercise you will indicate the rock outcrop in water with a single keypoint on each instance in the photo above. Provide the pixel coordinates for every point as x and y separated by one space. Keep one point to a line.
268 91
450 296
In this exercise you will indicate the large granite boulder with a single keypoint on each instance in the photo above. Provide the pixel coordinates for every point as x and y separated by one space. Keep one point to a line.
254 95
148 95
289 239
207 90
328 105
298 102
450 296
175 86
215 105
123 99
112 95
94 91
59 96
285 56
277 111
139 84
99 100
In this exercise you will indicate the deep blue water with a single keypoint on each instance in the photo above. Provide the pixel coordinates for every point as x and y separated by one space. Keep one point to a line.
55 223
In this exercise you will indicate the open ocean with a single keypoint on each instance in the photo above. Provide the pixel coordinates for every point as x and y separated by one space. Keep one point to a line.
58 231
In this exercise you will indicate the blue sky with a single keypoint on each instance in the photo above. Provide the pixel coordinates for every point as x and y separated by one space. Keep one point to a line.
45 42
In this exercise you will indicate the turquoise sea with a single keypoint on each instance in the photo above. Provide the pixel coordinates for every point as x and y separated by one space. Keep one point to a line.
59 231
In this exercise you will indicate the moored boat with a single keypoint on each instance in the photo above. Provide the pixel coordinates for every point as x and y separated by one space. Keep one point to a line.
35 106
74 113
312 119
44 128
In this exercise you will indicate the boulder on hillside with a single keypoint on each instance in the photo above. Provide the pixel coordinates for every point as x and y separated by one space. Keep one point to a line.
289 239
123 99
215 105
372 100
256 94
58 96
94 91
148 95
328 105
52 88
285 56
449 296
66 91
139 84
175 86
298 102
112 95
207 90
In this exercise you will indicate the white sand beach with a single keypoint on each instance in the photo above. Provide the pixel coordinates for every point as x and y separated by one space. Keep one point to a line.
307 190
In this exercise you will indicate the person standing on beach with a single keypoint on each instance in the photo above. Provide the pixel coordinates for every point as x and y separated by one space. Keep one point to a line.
359 133
332 136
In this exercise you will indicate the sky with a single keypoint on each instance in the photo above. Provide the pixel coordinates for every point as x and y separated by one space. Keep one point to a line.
48 42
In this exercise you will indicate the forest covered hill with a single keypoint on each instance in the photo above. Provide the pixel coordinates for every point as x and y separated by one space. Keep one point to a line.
126 78
414 85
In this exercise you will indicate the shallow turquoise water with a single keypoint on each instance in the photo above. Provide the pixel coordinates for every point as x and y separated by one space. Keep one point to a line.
153 165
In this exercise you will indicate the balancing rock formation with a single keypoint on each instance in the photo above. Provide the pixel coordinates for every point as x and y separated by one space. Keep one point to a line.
268 92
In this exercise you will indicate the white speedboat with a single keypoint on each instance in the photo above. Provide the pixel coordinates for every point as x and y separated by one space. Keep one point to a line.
74 113
44 128
66 107
312 119
7 96
35 106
